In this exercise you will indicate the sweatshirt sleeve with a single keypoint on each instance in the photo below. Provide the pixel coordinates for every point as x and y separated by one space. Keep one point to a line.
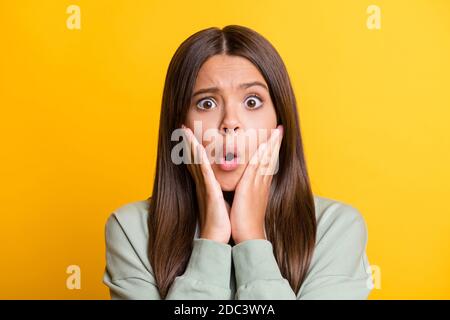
207 275
337 271
340 268
257 273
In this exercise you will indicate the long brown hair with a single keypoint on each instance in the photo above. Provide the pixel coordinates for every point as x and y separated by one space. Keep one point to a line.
290 216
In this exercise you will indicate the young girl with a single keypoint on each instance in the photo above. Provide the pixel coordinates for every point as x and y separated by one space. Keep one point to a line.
242 223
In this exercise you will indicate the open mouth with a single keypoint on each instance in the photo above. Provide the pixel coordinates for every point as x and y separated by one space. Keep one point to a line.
229 160
230 156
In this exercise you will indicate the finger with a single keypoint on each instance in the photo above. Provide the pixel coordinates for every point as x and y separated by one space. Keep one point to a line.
270 157
195 143
196 151
190 154
273 161
266 148
265 157
206 168
253 164
257 155
187 152
201 160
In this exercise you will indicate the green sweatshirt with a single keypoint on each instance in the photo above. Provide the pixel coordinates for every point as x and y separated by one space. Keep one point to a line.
339 268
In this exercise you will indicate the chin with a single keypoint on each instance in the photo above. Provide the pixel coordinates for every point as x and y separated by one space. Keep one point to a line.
228 186
228 180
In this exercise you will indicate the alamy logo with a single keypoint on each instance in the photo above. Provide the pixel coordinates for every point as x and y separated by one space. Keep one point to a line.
374 18
73 22
73 281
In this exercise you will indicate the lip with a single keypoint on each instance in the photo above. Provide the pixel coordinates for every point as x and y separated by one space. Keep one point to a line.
231 165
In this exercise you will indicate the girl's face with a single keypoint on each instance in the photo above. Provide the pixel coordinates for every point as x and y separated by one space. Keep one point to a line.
231 99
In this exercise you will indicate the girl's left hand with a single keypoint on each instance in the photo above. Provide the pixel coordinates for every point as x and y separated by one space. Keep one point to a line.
250 200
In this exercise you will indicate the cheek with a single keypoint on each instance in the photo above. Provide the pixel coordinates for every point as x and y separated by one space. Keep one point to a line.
264 118
262 124
268 117
199 123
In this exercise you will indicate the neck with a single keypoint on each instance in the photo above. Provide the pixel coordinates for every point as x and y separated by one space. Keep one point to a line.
228 196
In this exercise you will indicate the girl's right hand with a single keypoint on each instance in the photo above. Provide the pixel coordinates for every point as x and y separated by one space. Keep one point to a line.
214 210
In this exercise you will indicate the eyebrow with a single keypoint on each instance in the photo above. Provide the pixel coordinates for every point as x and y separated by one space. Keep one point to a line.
242 86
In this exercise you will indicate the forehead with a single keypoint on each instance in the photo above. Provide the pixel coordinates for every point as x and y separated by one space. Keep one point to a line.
225 71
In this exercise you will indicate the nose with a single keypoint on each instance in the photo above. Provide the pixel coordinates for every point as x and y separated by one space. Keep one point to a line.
230 122
230 129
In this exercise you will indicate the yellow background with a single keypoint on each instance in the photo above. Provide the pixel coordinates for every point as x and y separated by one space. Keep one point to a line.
80 111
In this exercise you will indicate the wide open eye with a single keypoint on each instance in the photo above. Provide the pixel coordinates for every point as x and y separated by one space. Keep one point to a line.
253 102
206 104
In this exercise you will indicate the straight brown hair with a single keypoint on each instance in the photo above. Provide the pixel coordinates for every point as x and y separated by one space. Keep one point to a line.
173 209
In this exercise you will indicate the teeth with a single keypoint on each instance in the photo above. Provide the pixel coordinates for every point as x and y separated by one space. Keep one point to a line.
229 156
